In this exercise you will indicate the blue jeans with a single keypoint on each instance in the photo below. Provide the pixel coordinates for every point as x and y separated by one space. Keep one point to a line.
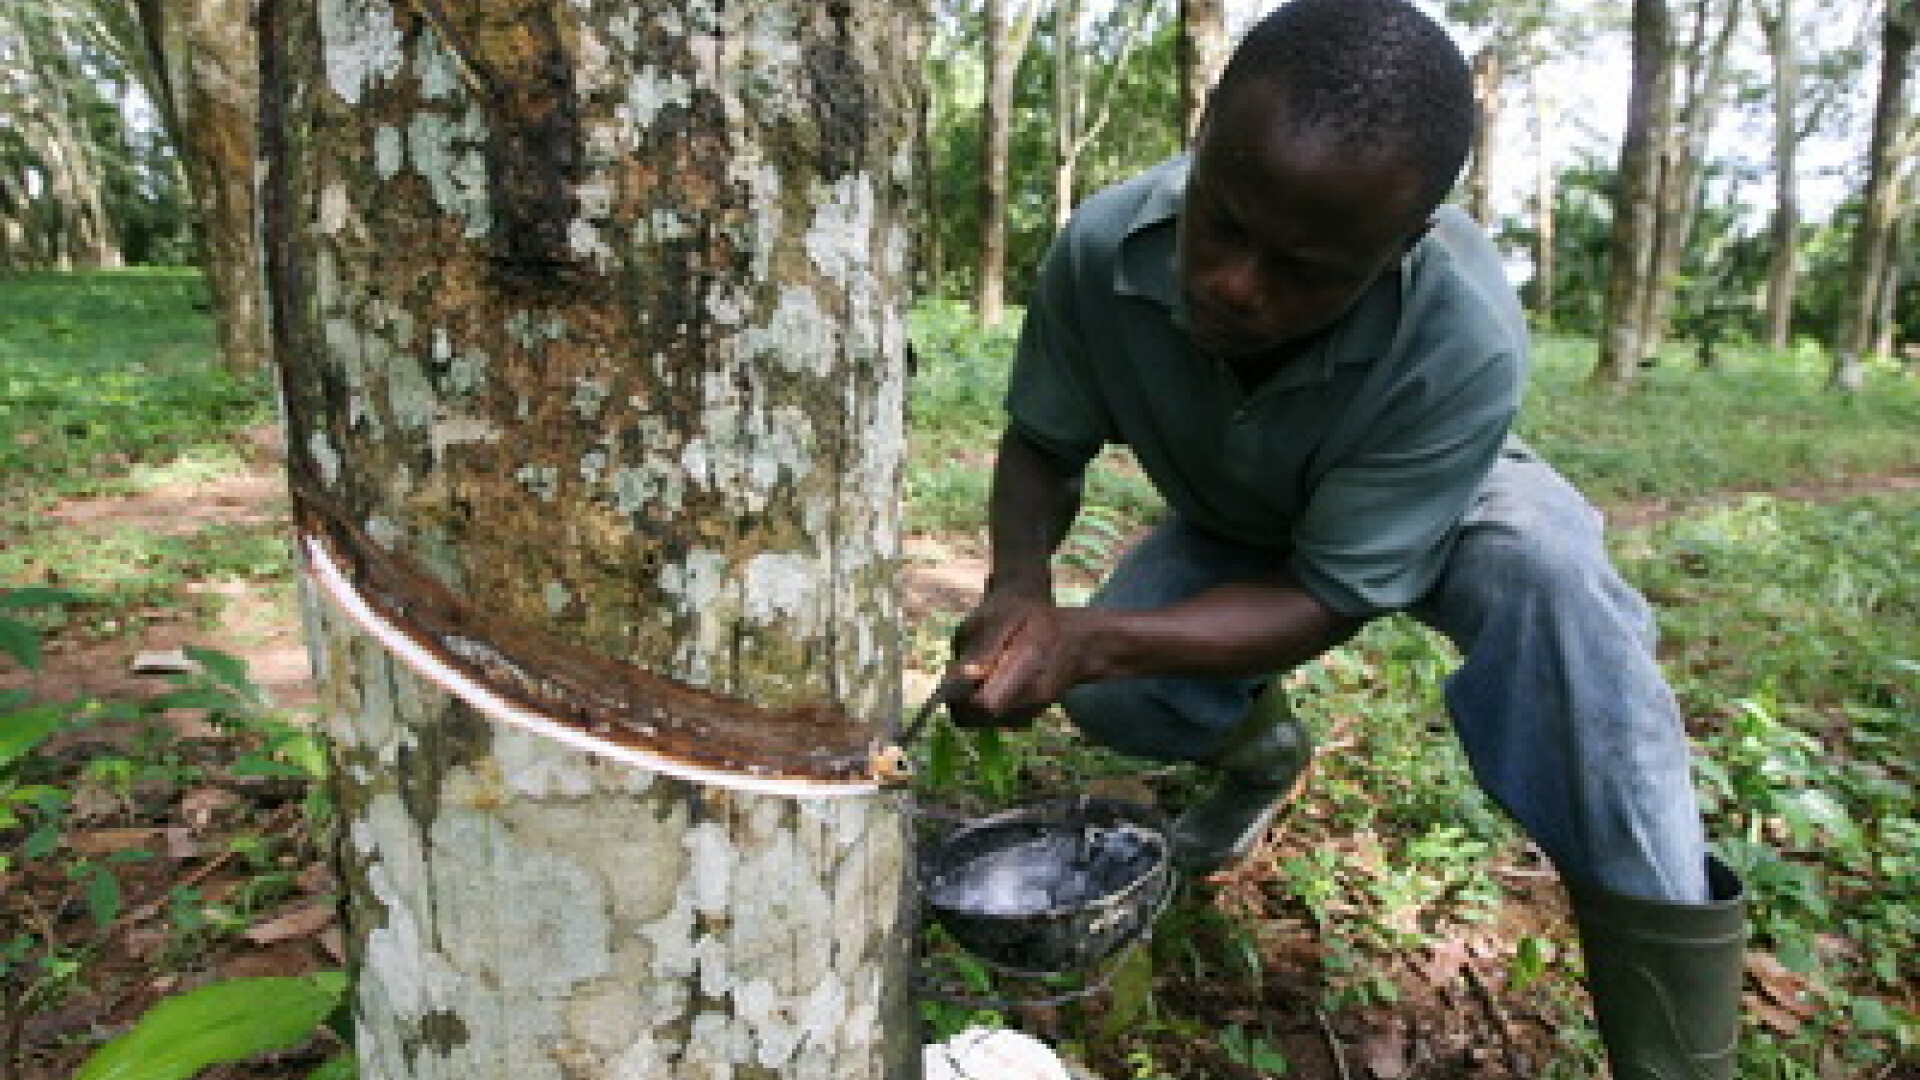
1559 703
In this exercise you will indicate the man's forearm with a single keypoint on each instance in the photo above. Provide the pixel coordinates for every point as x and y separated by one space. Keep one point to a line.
1234 629
1033 503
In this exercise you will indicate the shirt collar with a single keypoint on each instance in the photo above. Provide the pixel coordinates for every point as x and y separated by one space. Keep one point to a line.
1145 268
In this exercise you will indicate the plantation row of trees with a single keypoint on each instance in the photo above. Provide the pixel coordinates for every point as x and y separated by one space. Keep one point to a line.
1692 224
126 136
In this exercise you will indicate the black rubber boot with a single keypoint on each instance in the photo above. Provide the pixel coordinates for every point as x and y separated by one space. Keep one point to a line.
1665 978
1260 769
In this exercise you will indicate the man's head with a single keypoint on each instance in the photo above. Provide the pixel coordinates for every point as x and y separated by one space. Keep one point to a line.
1336 129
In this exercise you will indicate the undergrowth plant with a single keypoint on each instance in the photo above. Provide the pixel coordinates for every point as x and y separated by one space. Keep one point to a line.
65 905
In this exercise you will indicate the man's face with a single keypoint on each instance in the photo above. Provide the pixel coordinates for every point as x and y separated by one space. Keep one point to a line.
1280 236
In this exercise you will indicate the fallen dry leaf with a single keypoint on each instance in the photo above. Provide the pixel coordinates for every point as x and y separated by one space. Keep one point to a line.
1786 988
110 841
1384 1053
1773 1016
201 805
1444 962
299 922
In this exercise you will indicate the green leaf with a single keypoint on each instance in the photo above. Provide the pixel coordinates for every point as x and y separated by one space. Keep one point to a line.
103 896
341 1066
20 732
226 669
22 642
38 596
222 1022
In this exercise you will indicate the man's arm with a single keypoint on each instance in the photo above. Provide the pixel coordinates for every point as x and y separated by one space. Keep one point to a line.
1024 652
1034 501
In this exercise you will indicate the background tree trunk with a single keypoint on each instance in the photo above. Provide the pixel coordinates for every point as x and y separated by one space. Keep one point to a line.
1477 186
1783 264
71 222
1078 113
1683 168
1009 24
593 315
204 63
1635 201
1203 55
1546 115
1881 202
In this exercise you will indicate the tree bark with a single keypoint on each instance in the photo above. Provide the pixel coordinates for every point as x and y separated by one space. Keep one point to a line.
1203 56
71 217
1006 42
1684 163
1783 264
203 57
1635 200
1882 202
1478 184
1546 114
592 316
1078 114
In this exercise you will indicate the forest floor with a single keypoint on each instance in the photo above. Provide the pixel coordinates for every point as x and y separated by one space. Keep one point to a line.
230 843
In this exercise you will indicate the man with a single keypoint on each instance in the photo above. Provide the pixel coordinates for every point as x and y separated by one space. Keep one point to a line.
1318 365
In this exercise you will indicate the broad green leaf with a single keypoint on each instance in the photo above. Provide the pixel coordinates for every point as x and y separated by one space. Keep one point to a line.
224 668
21 731
225 1021
22 642
341 1066
38 596
103 896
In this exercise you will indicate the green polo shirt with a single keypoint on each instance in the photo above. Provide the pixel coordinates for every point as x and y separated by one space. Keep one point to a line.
1354 463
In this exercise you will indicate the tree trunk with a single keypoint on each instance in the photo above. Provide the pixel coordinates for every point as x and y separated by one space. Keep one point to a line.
1684 163
591 321
1871 261
1783 265
1546 114
1203 55
1006 43
78 232
1078 112
1635 200
1478 184
1069 76
204 62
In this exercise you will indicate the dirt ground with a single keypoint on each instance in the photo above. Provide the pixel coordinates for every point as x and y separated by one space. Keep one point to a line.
1458 1022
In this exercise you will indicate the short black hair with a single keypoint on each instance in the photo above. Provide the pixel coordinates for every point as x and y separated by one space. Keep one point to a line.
1372 75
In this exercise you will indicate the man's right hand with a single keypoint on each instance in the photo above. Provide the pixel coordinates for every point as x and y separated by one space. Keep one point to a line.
1021 653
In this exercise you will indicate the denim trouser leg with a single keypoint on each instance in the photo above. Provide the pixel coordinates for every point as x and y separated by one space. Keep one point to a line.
1559 704
1168 718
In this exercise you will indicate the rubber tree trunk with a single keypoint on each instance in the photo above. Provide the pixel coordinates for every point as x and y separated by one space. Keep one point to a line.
1477 185
1546 117
1009 23
204 59
1636 194
1882 201
592 315
1777 22
1683 171
1203 56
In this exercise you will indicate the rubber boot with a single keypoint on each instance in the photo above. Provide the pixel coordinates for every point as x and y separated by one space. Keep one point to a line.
1259 770
1665 978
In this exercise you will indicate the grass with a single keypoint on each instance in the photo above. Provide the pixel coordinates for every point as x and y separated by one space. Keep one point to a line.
102 372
